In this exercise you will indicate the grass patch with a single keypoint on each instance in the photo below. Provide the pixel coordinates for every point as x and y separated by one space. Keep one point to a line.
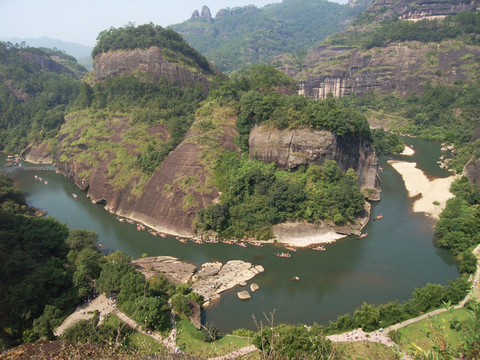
140 342
190 340
416 333
365 350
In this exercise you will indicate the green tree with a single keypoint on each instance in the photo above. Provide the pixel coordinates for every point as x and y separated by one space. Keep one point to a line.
44 325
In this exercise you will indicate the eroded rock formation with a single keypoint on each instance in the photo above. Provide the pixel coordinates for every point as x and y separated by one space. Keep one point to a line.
210 281
402 68
421 9
151 61
294 147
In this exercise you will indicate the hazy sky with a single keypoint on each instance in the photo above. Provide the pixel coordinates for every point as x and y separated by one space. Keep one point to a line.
81 21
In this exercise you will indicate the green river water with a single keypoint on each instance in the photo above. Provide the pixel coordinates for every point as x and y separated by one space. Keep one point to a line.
398 255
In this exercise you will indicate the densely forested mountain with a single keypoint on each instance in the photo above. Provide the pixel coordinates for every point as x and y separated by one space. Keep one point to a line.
36 86
248 35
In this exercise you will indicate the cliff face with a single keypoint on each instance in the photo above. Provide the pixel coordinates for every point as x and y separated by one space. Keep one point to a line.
294 147
421 9
151 61
170 199
399 67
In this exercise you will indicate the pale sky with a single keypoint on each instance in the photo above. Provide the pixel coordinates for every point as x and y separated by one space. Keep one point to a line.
81 21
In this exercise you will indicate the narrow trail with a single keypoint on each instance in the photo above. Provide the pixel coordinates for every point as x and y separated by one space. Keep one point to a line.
381 337
357 335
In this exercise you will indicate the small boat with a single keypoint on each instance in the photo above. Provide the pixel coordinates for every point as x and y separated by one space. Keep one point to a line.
212 241
122 220
74 196
182 240
138 227
163 235
362 236
319 248
39 178
256 243
291 248
45 182
229 242
154 233
296 278
36 177
378 217
283 255
242 244
197 241
130 221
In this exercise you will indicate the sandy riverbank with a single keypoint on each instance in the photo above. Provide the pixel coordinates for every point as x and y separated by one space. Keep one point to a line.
417 183
408 151
308 240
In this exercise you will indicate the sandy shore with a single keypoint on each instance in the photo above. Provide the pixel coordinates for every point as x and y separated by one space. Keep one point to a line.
417 183
408 151
305 241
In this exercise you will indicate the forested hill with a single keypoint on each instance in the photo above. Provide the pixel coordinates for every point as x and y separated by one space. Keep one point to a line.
250 35
36 86
395 46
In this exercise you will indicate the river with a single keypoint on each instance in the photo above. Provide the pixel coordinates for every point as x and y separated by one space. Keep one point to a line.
397 256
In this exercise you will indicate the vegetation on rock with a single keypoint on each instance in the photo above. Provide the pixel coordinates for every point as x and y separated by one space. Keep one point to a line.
147 35
35 92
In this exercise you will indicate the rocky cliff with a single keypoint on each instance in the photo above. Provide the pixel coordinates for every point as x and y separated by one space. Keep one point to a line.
170 198
420 9
398 67
371 55
153 61
294 147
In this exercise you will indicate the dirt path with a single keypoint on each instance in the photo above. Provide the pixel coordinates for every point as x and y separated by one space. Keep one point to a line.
237 353
382 338
85 312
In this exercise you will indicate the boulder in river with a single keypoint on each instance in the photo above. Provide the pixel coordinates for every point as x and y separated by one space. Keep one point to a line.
254 287
243 295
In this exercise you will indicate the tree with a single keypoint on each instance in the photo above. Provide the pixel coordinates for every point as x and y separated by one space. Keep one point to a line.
44 325
79 239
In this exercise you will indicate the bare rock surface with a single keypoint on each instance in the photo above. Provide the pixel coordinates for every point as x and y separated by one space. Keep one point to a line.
243 295
292 148
151 61
195 314
170 267
210 281
230 275
39 153
254 287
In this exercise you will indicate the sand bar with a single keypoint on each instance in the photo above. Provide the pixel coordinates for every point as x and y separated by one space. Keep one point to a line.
417 183
408 151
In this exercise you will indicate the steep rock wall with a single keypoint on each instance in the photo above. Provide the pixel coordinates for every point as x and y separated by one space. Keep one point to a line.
421 9
169 200
398 67
294 147
151 61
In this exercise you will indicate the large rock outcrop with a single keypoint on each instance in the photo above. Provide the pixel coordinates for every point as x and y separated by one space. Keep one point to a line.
172 196
294 147
420 9
151 61
402 68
